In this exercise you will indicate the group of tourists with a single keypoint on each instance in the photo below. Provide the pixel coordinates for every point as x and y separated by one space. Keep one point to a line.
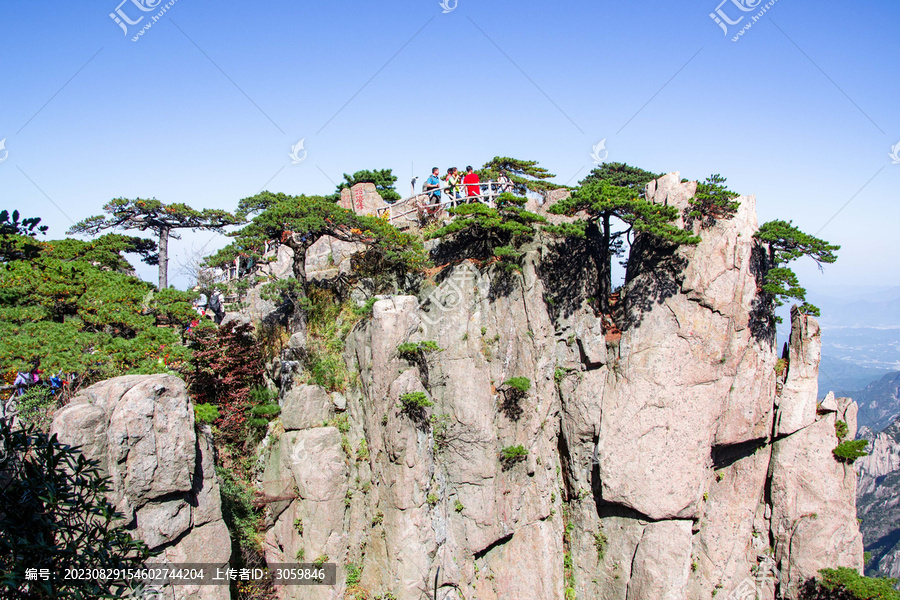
211 307
453 189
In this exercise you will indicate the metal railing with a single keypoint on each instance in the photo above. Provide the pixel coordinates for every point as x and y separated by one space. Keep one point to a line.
428 203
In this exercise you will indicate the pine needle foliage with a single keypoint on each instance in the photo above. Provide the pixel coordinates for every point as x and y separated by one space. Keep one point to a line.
786 243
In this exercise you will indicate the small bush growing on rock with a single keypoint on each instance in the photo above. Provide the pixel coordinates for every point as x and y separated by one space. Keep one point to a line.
600 543
432 499
362 451
848 451
458 506
413 405
840 429
409 349
846 584
518 384
378 519
206 413
320 560
354 574
514 391
712 201
510 455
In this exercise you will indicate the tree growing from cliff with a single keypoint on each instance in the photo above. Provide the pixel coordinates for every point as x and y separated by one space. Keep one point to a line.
162 219
712 201
382 179
298 222
487 232
54 515
525 175
601 202
786 244
621 175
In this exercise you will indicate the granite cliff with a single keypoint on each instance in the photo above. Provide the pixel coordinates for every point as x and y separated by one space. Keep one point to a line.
665 456
546 450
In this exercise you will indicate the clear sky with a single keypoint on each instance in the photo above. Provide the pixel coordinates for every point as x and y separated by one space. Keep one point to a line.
204 108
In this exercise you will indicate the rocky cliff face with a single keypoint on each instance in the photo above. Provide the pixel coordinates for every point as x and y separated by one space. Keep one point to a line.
664 460
879 500
141 429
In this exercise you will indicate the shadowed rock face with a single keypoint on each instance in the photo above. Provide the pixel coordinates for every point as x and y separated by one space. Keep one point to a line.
141 429
663 461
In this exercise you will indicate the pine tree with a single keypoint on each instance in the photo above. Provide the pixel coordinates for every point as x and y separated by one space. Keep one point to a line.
298 222
525 175
492 232
786 244
153 215
602 202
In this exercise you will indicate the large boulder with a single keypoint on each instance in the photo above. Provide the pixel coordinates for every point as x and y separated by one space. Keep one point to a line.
141 429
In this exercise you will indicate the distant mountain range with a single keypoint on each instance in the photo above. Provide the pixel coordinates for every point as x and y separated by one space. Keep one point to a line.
877 503
879 402
860 336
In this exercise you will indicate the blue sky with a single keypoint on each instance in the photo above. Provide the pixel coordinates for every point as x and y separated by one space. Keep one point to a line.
204 108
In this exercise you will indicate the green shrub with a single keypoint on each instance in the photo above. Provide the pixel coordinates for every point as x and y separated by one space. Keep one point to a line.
258 422
848 451
35 407
411 350
510 455
354 574
55 515
458 506
840 429
846 584
378 519
206 413
364 311
266 410
320 560
432 499
413 405
600 543
519 384
362 451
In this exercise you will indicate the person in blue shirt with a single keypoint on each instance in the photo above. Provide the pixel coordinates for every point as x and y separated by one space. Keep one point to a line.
433 185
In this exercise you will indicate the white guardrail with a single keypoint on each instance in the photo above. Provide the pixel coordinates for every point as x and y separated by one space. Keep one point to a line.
423 204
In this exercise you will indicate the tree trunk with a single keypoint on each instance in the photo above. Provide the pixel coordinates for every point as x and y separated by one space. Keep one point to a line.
299 318
163 257
599 236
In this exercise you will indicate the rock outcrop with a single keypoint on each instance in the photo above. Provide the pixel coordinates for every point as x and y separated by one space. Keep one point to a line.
141 430
664 460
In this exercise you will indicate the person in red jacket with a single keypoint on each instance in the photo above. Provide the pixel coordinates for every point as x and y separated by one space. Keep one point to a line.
471 178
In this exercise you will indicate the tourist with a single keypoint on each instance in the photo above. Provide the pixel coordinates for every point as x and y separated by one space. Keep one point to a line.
433 186
504 184
473 190
452 179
